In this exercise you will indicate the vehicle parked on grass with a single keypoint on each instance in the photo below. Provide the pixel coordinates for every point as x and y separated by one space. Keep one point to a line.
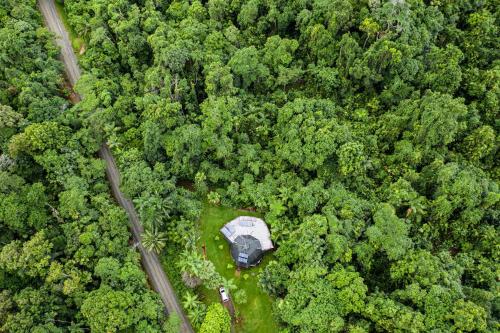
223 294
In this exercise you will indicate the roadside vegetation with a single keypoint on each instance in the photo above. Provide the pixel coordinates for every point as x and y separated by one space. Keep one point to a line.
65 260
76 41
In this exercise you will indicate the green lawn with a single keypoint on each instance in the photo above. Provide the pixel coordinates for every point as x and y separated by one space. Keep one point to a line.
76 41
256 314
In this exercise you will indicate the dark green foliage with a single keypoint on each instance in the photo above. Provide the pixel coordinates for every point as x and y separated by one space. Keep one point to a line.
65 262
366 131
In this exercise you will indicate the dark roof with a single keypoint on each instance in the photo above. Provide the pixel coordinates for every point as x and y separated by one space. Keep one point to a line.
246 251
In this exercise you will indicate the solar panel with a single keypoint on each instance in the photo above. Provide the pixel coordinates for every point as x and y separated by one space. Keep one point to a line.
246 223
226 232
243 260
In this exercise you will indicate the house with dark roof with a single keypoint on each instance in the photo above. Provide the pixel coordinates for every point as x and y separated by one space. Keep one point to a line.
249 238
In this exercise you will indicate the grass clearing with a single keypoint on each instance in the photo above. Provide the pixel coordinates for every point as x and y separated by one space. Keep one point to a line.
76 41
256 314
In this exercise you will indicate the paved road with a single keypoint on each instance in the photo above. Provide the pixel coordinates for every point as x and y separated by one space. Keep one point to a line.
150 261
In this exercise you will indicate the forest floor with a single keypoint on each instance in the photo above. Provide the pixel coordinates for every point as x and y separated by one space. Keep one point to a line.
76 42
255 315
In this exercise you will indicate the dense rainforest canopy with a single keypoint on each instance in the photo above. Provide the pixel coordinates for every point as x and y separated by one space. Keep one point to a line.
65 263
364 130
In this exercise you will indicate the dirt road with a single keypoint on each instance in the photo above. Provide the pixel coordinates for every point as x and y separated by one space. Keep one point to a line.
54 24
229 305
150 261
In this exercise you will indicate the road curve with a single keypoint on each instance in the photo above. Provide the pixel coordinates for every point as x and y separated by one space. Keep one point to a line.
150 261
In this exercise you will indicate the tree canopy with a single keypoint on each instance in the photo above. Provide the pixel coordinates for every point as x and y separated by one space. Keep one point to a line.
65 263
364 131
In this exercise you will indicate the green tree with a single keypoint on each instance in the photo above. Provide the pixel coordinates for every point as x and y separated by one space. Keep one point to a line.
153 241
441 119
351 159
216 320
31 258
307 133
38 137
480 143
389 233
106 309
246 64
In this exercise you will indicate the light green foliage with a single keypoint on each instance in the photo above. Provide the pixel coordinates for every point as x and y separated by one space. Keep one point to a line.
110 310
307 133
240 296
217 320
441 118
389 233
38 137
318 301
190 301
306 244
196 310
218 115
392 316
278 55
426 269
22 206
219 80
105 310
173 324
480 143
444 74
213 198
9 121
73 201
468 317
30 308
31 258
153 241
248 13
351 159
246 64
197 270
351 288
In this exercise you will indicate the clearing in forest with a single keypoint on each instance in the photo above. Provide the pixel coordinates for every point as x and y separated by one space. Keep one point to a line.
256 313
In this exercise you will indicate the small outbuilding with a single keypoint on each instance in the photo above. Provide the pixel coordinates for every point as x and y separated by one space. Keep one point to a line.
249 238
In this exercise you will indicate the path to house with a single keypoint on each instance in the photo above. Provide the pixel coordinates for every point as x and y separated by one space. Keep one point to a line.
150 261
229 305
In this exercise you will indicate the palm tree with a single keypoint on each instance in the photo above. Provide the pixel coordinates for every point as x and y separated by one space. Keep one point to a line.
153 240
190 300
197 314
